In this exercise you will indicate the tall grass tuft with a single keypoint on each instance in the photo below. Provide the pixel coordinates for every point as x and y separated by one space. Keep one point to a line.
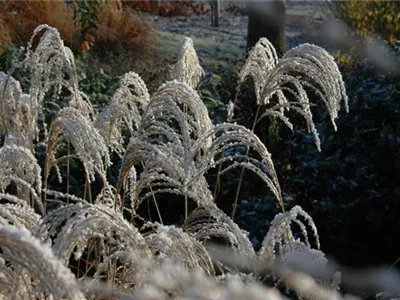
104 245
283 85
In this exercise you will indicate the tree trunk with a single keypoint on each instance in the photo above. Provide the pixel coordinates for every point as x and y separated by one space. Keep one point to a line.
266 19
214 13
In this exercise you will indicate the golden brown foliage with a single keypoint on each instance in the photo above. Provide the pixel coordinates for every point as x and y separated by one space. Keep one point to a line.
22 17
5 38
118 28
372 17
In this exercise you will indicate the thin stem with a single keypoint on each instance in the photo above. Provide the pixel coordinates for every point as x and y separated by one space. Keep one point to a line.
89 190
391 267
148 211
46 170
185 110
242 170
155 203
79 268
237 192
85 189
217 186
186 207
68 170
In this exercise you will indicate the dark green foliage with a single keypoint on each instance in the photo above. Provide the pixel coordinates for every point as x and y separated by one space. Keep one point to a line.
218 87
209 93
86 14
254 215
98 87
9 64
86 18
351 187
229 78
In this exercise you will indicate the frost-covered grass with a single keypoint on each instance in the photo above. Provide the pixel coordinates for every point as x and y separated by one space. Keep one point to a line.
101 245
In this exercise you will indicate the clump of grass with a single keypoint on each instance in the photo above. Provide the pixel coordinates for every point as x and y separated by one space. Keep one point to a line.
118 30
22 17
79 244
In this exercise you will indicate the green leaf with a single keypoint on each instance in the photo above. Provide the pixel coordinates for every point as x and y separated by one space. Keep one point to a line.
210 103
